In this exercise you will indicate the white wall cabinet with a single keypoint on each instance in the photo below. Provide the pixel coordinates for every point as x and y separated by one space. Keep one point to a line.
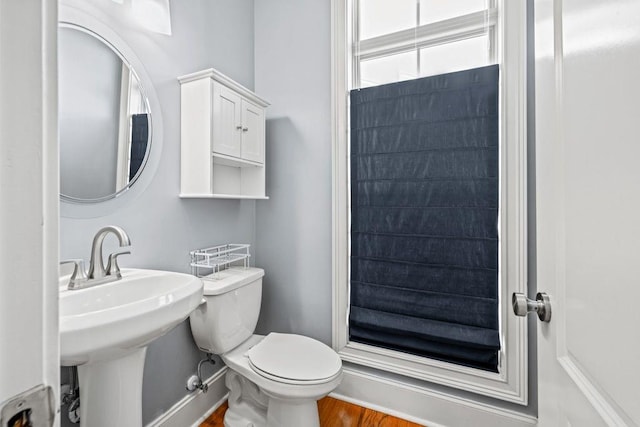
222 138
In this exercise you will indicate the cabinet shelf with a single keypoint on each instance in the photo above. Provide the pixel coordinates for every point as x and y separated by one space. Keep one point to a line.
223 159
222 196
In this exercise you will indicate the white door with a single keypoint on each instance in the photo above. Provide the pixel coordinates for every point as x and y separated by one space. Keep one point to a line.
29 357
588 210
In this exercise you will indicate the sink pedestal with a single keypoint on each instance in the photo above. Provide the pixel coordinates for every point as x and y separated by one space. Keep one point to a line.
111 391
105 331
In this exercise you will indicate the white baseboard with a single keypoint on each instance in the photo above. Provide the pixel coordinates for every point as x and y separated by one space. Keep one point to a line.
422 405
196 407
413 403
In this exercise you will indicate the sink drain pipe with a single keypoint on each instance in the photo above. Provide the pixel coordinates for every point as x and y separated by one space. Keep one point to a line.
71 396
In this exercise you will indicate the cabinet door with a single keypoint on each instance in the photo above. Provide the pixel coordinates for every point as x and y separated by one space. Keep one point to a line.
252 132
227 125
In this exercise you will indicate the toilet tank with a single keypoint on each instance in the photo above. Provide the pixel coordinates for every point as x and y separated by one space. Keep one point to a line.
230 312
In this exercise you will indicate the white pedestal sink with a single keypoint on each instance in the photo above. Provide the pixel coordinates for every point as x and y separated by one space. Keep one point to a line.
105 330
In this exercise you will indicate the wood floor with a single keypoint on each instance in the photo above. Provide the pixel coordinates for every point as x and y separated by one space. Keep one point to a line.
333 413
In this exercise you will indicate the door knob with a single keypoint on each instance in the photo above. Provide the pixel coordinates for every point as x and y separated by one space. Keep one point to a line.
523 305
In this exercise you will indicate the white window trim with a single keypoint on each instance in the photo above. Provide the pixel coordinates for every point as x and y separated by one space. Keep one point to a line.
511 382
433 34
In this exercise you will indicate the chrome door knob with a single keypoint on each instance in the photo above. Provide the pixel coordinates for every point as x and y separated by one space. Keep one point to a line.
523 305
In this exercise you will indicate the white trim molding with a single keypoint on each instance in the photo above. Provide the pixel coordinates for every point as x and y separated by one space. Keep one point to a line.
225 80
196 407
423 405
449 30
511 382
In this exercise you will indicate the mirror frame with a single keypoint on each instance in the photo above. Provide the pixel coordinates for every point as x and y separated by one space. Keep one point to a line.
82 16
71 199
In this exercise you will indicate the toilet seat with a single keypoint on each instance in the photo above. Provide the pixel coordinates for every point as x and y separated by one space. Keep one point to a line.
294 359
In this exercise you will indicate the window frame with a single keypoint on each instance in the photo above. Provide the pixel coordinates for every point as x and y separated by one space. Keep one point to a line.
424 36
511 382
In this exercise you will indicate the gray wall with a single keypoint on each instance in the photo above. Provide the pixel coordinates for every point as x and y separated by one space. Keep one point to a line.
89 79
293 229
163 228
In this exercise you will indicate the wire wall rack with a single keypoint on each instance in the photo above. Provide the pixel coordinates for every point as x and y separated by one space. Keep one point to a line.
208 262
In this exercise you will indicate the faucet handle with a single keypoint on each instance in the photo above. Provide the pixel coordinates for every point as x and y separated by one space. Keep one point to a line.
79 273
113 269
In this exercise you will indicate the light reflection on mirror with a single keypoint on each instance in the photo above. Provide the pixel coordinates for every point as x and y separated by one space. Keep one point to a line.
104 120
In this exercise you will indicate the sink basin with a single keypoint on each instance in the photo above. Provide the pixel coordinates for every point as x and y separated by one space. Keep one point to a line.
110 319
105 330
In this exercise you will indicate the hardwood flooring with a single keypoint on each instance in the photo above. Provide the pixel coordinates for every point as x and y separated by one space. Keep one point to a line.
333 413
217 418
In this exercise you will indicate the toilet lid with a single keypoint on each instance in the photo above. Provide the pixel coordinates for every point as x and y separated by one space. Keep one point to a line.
294 358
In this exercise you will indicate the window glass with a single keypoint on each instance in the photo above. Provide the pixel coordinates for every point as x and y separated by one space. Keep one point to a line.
378 17
455 56
438 10
388 69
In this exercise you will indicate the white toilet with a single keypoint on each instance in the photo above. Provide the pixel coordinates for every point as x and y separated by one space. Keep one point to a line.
274 380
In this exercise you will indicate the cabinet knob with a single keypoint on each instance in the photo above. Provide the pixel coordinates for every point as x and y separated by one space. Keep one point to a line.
239 127
245 129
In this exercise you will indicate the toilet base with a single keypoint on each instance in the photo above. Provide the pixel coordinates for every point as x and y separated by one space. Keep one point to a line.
247 403
250 406
292 413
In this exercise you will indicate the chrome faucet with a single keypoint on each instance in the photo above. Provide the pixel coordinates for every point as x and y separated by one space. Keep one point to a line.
97 272
96 264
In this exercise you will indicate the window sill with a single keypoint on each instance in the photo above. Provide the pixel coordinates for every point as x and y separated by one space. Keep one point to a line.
495 385
424 404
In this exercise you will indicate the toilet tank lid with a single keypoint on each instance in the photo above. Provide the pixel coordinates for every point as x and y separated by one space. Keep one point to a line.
230 279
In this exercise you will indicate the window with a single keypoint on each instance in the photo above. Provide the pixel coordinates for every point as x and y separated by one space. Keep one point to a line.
378 42
407 39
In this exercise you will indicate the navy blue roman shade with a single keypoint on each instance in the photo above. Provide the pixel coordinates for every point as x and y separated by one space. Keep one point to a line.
424 217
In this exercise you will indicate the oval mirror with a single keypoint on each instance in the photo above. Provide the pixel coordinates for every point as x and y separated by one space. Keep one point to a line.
104 118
